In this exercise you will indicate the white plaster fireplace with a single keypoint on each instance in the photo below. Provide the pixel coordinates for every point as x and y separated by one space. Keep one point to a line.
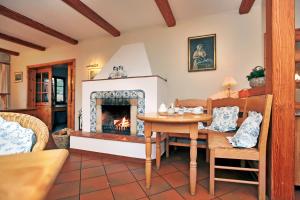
143 93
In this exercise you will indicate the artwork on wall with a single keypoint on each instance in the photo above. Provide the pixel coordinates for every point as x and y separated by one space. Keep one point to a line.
18 77
93 71
202 53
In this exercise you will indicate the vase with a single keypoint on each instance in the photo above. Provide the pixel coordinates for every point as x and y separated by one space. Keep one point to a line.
257 82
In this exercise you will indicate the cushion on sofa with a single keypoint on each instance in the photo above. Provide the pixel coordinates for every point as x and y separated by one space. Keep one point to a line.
224 119
248 133
14 138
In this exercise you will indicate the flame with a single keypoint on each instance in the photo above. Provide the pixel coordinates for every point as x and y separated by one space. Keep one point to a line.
122 124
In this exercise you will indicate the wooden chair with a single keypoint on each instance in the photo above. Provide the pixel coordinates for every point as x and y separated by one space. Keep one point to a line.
220 148
188 103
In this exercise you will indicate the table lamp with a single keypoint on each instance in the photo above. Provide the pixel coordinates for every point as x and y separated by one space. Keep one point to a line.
228 83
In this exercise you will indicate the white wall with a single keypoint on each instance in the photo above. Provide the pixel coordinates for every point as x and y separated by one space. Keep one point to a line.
239 48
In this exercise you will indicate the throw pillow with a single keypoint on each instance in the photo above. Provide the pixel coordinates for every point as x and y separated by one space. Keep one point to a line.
248 133
224 119
14 138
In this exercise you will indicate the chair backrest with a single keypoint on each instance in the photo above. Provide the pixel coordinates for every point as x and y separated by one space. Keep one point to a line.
189 103
262 104
241 103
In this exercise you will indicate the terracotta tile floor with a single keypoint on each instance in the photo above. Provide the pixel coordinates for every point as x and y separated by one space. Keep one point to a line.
93 176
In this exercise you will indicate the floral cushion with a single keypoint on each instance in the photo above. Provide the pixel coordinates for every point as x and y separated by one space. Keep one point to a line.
248 133
224 119
14 138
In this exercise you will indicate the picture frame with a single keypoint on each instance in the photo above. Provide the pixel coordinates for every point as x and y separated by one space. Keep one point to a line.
18 77
202 53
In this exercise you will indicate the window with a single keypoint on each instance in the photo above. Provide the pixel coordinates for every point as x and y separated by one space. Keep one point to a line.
59 90
42 87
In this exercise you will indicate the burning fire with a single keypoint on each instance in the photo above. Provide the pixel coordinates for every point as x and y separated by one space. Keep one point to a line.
122 124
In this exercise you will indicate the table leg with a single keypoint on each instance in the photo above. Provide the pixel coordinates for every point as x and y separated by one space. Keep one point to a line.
193 157
158 149
148 133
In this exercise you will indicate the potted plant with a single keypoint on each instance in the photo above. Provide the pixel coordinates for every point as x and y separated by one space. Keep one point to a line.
257 77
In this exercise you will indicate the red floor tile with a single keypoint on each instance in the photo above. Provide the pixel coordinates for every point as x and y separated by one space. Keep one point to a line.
139 174
74 157
120 178
176 179
165 169
90 156
201 193
93 184
109 177
64 190
92 172
91 163
129 191
134 165
221 188
71 166
245 192
181 165
71 198
114 168
158 185
101 194
168 195
109 161
68 177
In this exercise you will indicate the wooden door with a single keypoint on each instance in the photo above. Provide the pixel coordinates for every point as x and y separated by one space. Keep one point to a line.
43 95
71 95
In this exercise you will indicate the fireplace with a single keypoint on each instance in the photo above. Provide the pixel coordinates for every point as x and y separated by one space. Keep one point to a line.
116 112
116 118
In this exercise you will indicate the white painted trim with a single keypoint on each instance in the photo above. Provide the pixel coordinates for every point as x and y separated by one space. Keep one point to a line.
128 149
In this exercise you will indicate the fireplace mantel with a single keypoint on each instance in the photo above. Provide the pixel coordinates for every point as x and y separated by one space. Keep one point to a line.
127 78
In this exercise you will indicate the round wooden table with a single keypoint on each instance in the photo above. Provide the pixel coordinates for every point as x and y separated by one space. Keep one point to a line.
184 124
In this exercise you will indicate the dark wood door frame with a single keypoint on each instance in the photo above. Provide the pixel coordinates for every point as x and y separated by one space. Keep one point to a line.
71 87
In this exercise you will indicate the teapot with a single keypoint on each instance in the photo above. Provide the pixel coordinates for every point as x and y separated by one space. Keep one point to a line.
162 108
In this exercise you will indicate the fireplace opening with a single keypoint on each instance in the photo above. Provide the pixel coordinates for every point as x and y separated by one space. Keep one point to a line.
116 119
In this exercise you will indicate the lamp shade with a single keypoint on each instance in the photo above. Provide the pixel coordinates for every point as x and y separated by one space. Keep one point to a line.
229 81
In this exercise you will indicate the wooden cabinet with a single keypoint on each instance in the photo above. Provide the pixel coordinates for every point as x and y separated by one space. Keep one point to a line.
297 151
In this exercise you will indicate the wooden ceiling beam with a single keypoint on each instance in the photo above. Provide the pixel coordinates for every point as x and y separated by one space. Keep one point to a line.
246 6
36 25
93 16
166 12
14 53
21 42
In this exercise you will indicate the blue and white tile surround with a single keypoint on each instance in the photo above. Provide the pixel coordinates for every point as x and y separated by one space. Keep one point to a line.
118 94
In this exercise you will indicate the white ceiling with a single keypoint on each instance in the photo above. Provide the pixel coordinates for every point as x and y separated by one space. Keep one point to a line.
125 15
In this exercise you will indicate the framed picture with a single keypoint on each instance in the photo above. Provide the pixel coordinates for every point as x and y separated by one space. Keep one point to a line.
18 77
93 72
202 53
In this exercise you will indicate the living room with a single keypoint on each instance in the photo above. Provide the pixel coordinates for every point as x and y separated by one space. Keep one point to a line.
154 42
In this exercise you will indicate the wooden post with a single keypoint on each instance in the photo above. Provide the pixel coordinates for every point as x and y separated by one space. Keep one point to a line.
280 71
